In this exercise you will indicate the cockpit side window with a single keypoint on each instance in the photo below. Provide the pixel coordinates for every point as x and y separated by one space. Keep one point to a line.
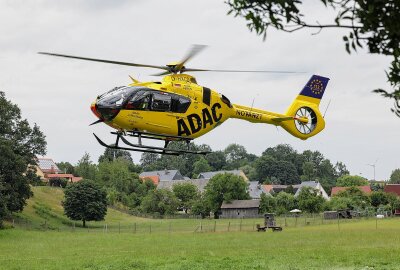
161 102
140 101
148 99
180 104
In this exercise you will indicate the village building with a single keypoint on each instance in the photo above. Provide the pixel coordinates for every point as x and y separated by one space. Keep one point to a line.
162 175
255 190
47 169
199 183
365 189
392 188
274 189
316 186
209 175
395 189
240 209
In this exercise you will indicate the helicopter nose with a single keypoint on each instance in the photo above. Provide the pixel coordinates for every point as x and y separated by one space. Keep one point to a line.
93 107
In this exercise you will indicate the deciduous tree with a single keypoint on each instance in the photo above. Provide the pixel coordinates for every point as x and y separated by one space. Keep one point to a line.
395 177
186 193
85 201
309 200
19 145
351 180
225 187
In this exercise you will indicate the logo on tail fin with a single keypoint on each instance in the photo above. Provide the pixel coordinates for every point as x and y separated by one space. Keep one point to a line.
315 87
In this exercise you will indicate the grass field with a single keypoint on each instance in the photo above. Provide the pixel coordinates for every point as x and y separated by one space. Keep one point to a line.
351 245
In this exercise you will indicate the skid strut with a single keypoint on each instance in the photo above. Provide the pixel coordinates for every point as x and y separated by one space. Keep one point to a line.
140 147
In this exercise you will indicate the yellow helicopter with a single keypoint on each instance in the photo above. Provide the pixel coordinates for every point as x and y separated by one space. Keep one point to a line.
178 109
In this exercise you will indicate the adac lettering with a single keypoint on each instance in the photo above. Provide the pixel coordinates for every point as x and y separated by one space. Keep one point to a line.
197 122
248 114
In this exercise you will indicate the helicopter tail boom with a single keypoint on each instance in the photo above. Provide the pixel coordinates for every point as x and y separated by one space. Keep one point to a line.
302 119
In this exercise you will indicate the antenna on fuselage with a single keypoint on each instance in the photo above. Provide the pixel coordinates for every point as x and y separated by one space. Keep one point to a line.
329 103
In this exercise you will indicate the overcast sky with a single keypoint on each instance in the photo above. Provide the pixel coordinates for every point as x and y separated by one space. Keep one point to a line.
56 93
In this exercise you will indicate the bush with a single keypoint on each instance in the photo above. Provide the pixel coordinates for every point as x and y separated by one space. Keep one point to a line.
58 182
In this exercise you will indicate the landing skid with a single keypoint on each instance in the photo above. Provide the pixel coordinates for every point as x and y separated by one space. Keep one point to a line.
139 147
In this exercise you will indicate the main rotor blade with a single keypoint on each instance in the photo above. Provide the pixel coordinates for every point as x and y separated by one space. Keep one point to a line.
238 71
104 61
196 48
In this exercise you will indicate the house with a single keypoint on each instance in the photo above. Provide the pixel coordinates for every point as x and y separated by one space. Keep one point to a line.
199 183
163 175
278 188
47 169
154 178
209 175
45 166
240 209
70 177
395 189
392 188
315 185
255 190
336 190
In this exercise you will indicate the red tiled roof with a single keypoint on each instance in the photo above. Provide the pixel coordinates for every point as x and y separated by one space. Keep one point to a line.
59 175
154 178
392 188
267 188
76 179
365 189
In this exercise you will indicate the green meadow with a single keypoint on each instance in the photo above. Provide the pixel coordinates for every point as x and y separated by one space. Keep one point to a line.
47 240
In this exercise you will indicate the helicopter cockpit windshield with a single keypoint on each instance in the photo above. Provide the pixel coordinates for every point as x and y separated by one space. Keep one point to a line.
116 97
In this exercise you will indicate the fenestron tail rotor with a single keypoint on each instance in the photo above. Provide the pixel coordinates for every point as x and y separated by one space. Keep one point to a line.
171 68
302 114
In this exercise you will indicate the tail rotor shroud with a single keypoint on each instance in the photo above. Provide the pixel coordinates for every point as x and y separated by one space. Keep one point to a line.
310 125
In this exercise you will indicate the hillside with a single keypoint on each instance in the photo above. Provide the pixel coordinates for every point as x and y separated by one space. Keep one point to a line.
44 211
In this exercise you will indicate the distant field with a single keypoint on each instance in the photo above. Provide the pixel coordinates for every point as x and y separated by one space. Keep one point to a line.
192 244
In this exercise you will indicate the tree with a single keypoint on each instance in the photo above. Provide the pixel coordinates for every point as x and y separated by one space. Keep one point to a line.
250 172
86 168
378 198
340 203
217 160
351 180
309 171
236 156
200 166
359 200
309 200
201 207
111 154
395 177
19 145
123 185
85 201
267 203
284 202
225 187
186 193
340 169
66 167
161 201
370 23
268 167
